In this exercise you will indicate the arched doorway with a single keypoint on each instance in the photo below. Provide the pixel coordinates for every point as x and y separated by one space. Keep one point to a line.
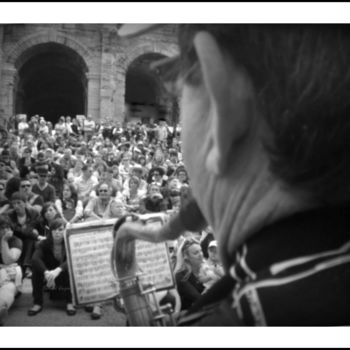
50 81
145 97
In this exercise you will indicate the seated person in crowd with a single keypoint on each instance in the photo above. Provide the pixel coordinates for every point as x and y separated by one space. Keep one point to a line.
116 209
153 202
187 272
49 213
26 226
85 184
43 188
33 200
76 171
132 195
137 170
50 268
26 163
4 202
213 263
99 207
56 172
10 272
107 177
70 207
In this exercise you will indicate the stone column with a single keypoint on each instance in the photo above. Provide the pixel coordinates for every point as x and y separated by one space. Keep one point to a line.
93 95
7 84
1 44
119 100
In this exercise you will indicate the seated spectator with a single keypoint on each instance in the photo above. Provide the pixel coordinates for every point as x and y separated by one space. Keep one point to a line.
26 163
56 172
156 175
76 171
49 213
4 202
33 177
67 162
50 268
137 170
6 170
33 200
116 209
187 272
125 166
181 174
153 202
213 261
99 208
70 207
10 272
172 194
85 184
132 195
43 188
26 226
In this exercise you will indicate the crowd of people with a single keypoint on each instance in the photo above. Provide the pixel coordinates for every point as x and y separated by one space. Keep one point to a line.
78 170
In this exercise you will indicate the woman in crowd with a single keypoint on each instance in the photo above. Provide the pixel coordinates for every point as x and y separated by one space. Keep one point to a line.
69 206
76 171
50 268
49 213
132 194
10 272
99 207
190 274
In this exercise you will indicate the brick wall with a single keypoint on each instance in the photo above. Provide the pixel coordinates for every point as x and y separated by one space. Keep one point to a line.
106 56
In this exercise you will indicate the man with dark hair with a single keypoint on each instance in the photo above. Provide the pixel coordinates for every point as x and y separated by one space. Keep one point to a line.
43 188
33 200
266 140
26 226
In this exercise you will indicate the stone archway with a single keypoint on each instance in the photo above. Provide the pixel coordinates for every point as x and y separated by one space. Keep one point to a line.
47 69
145 97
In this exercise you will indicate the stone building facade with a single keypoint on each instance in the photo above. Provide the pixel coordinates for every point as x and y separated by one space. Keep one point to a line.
72 69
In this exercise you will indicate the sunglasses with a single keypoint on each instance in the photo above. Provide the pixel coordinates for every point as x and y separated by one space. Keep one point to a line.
23 186
101 191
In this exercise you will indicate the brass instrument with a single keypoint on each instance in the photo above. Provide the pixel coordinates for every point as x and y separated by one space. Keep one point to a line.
141 302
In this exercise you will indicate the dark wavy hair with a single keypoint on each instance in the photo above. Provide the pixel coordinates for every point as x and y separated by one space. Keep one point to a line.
74 195
301 75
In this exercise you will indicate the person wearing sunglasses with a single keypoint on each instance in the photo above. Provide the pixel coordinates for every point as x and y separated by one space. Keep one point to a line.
34 200
98 208
265 139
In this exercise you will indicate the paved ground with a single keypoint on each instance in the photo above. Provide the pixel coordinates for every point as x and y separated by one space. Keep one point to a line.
54 313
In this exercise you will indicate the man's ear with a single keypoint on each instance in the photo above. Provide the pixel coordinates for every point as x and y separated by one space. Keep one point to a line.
231 97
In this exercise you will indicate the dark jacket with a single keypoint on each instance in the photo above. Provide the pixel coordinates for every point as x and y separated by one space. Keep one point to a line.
295 272
44 259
